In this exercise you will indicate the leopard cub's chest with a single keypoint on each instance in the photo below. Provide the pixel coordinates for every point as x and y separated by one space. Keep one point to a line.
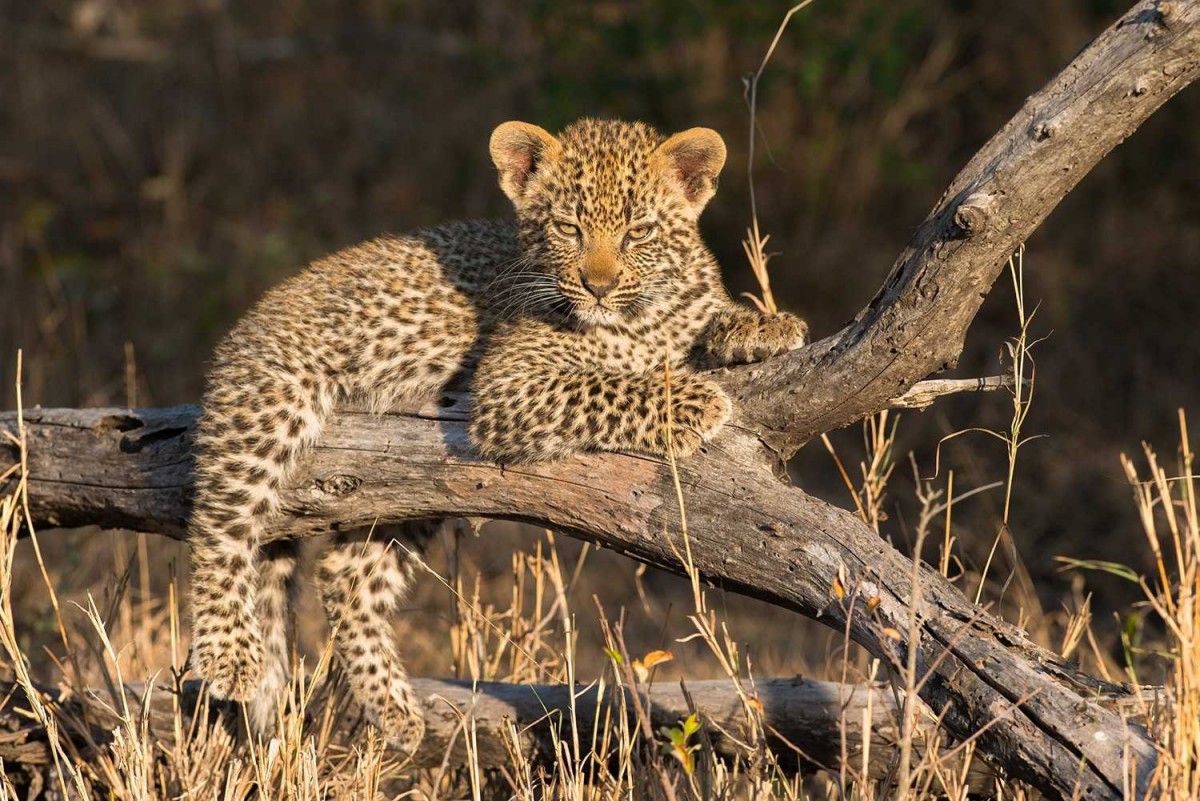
644 347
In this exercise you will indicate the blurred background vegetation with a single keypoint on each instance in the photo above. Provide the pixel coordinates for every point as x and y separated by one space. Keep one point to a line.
161 164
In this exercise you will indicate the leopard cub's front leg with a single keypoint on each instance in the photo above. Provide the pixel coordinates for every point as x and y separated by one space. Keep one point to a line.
524 416
737 335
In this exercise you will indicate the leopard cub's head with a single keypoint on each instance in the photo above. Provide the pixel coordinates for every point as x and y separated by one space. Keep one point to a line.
607 211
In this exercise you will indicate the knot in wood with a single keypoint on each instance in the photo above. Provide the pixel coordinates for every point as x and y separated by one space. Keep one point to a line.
339 485
971 216
1044 130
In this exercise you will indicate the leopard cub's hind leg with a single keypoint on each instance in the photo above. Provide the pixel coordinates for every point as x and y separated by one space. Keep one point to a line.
361 579
277 565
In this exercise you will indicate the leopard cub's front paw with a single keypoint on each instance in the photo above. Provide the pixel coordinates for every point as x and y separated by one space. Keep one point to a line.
699 409
758 338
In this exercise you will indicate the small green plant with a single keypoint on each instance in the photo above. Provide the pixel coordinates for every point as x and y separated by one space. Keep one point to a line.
678 743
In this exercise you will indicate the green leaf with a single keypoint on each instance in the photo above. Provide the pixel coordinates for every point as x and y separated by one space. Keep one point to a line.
1112 568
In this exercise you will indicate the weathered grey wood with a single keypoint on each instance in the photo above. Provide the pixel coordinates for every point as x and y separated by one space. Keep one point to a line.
802 720
804 723
922 394
748 532
916 323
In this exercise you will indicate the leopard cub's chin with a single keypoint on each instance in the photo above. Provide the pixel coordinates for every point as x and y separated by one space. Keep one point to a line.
598 315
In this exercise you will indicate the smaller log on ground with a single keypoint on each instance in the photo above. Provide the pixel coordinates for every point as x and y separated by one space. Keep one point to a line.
802 720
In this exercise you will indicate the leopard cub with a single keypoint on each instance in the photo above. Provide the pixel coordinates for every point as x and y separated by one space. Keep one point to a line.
568 317
615 284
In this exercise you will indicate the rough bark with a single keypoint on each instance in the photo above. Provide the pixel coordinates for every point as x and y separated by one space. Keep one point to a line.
747 531
916 323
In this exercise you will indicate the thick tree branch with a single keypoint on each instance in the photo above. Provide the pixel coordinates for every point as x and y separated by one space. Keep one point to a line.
916 324
748 532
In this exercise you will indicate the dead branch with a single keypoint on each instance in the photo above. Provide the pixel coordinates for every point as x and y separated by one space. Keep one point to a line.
922 394
748 533
915 324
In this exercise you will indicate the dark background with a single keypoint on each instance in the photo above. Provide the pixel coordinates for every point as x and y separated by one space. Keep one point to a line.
161 164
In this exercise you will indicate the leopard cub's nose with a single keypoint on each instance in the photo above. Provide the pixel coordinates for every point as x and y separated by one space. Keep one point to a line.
599 287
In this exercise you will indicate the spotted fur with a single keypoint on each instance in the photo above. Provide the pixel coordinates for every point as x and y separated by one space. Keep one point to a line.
577 309
615 284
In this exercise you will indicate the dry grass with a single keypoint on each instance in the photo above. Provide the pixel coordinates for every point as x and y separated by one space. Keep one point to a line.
1168 508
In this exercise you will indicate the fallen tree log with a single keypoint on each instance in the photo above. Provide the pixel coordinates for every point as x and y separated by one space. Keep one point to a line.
748 532
804 722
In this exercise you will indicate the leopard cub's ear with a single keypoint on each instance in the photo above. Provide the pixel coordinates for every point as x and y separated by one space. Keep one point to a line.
695 158
517 149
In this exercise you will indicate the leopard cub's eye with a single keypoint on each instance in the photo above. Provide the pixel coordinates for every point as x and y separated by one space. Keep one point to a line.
566 228
639 232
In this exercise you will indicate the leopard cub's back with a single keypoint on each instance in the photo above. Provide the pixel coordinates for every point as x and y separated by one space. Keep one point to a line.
391 317
388 321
